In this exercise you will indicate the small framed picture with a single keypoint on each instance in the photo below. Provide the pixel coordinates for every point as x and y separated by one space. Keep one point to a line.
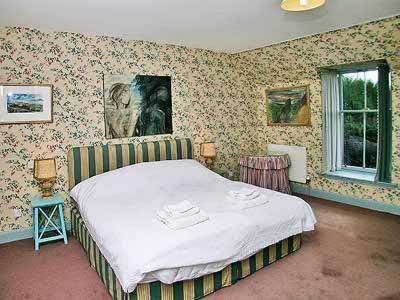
26 103
288 106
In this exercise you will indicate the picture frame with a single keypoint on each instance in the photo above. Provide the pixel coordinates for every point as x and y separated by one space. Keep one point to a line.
288 106
137 105
26 103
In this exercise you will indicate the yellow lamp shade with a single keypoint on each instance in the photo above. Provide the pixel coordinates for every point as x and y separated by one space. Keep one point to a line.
301 5
44 169
208 149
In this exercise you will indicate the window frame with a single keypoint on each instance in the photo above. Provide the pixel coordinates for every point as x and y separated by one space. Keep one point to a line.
364 112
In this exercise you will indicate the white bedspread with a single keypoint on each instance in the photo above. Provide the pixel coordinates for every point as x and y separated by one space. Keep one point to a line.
119 209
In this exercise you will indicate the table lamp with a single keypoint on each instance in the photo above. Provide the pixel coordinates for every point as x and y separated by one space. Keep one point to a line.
44 171
207 150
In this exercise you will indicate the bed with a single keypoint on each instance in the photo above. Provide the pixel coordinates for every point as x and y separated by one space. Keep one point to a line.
175 268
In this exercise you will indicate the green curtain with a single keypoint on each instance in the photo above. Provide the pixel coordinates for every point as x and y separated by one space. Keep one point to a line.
384 172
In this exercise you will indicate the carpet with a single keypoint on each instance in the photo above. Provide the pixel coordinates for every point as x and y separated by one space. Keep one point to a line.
353 254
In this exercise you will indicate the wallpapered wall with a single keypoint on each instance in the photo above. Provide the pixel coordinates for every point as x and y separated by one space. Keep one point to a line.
296 62
210 102
216 96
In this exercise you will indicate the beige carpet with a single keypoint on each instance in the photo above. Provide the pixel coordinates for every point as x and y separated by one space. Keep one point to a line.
353 254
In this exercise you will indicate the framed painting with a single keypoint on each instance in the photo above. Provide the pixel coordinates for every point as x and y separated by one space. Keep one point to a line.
137 105
23 103
288 106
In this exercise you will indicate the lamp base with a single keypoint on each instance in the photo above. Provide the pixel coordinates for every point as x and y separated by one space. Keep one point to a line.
47 188
209 162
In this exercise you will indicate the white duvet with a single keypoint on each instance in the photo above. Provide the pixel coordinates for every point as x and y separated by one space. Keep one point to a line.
119 209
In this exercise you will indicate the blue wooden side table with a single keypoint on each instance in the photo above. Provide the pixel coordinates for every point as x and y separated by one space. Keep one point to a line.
45 209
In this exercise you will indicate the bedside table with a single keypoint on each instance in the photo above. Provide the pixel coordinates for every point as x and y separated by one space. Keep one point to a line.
268 171
44 219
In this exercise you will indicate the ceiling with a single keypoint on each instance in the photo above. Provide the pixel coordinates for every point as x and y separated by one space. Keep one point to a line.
222 25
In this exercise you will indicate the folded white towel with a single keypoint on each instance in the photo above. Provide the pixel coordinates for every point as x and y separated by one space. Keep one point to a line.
180 223
180 207
246 191
176 214
246 204
244 194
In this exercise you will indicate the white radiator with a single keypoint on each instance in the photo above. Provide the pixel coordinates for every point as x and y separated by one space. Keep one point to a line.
298 158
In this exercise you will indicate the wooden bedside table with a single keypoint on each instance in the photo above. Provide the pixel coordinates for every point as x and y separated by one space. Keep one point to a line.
45 210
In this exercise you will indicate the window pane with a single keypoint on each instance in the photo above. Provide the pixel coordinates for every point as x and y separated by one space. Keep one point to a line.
353 90
353 139
371 140
371 78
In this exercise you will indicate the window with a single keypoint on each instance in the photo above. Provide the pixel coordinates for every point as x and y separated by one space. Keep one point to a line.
357 121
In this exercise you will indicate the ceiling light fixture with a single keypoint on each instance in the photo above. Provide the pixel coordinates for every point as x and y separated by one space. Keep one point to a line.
301 5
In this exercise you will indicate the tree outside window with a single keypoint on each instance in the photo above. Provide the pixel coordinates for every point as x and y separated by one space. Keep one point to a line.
359 103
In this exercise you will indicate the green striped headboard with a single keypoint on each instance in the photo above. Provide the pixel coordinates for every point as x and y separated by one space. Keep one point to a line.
164 150
85 162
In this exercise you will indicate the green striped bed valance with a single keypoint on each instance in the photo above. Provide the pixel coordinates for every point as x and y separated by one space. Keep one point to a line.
165 150
85 162
183 290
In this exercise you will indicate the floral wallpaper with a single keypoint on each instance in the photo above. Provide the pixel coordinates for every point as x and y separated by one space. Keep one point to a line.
208 95
295 63
216 96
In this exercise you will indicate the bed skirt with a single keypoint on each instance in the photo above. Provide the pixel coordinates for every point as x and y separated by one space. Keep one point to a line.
182 290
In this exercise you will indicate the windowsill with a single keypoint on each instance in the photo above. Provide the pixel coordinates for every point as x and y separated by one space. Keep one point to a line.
365 178
353 174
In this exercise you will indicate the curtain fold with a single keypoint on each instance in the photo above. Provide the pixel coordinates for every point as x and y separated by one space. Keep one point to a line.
331 125
384 167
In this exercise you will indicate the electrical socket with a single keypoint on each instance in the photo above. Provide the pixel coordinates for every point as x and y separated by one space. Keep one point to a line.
230 174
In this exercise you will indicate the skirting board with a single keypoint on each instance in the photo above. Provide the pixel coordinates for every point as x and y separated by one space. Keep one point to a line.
365 203
22 234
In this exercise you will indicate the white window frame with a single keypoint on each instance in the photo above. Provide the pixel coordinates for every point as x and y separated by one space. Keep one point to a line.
363 111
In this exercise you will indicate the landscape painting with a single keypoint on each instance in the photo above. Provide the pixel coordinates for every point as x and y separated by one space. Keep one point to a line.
288 106
137 105
26 103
